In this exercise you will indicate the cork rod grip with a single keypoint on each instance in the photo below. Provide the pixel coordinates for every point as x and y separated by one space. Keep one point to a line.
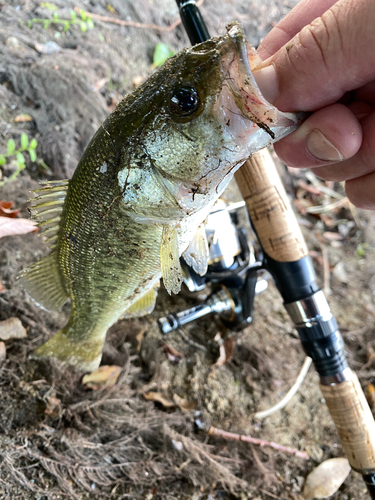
269 208
354 422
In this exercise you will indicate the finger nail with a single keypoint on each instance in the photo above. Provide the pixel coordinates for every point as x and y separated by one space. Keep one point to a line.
267 82
321 148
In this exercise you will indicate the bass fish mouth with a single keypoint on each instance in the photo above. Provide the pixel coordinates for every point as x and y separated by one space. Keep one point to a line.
241 95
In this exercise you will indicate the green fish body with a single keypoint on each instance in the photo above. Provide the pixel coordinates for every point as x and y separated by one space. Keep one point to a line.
142 190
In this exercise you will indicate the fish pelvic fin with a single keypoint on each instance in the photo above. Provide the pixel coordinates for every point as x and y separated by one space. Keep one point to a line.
84 354
144 305
46 208
196 254
43 282
170 259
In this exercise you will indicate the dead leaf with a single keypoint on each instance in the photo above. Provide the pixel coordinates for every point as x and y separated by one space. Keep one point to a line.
160 398
326 479
105 375
23 118
173 355
139 338
53 408
302 204
2 289
10 227
330 236
226 351
12 328
3 353
6 209
100 84
184 404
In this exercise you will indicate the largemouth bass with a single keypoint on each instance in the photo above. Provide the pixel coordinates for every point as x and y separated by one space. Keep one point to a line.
143 188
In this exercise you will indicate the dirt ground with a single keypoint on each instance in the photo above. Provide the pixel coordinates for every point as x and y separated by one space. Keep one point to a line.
59 439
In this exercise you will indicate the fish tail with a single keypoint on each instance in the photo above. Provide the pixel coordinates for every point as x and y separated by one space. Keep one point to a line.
83 353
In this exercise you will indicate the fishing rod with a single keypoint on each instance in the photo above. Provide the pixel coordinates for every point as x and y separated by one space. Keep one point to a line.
285 256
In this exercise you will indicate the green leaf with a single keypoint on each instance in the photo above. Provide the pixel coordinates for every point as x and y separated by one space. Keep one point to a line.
11 146
83 26
66 25
20 159
24 140
29 23
33 143
90 24
73 15
83 15
46 25
32 154
47 5
2 160
101 37
161 54
56 16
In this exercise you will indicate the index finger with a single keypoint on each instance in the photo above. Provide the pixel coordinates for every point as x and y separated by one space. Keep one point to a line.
302 14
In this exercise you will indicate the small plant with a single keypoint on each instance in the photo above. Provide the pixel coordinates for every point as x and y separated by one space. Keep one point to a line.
161 54
18 153
85 22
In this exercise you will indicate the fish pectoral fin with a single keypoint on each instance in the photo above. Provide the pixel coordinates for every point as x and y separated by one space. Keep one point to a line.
170 259
196 254
144 305
84 354
42 281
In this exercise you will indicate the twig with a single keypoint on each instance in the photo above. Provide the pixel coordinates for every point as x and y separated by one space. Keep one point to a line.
327 208
134 24
326 271
292 391
214 431
324 189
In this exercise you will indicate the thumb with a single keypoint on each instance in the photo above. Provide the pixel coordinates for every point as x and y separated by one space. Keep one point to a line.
332 55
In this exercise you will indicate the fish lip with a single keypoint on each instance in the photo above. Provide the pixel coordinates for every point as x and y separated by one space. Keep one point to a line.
239 59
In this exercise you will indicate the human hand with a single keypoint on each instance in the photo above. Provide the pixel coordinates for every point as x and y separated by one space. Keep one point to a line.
328 67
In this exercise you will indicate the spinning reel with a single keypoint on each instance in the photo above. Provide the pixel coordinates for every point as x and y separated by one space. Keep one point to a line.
232 271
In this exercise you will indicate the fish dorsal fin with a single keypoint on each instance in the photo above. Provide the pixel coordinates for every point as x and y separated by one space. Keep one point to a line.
196 254
47 207
144 305
42 281
170 259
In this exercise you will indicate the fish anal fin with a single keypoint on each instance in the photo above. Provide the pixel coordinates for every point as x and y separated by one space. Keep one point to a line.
144 305
196 255
85 355
170 259
42 281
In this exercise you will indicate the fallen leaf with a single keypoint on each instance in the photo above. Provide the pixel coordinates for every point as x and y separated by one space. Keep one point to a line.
3 352
2 289
53 408
6 209
23 118
330 236
184 404
100 84
12 328
226 351
302 204
105 375
10 227
326 479
159 398
139 338
173 355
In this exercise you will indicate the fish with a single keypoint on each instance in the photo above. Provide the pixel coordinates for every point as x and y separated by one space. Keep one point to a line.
140 194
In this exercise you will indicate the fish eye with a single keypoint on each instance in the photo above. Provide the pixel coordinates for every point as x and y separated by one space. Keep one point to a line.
184 101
